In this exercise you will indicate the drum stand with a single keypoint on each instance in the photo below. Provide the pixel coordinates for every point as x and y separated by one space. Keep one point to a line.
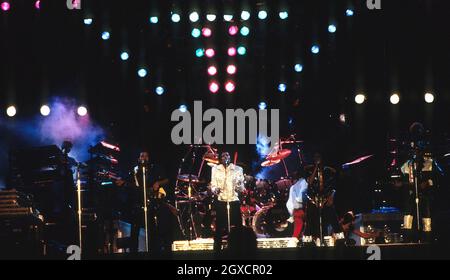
191 217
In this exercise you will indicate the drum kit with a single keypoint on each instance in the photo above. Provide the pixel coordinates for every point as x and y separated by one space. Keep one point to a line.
262 204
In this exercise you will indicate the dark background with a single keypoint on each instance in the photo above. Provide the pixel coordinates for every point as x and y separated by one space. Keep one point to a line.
403 47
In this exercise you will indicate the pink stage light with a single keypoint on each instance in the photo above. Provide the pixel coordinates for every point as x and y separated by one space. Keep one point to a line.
5 6
206 32
229 86
212 70
210 52
213 87
231 69
232 51
37 4
233 30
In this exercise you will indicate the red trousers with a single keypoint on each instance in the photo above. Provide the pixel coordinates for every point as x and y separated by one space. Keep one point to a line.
299 217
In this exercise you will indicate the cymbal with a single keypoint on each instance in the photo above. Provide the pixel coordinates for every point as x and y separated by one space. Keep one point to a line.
291 141
358 160
268 163
211 158
280 154
189 178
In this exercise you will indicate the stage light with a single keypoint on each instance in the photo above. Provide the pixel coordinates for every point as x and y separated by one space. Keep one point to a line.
175 17
154 19
262 14
212 70
5 6
298 68
231 51
124 56
291 121
82 111
283 15
231 69
227 17
332 28
349 12
342 118
88 21
199 52
45 110
193 17
37 4
315 49
360 98
233 30
11 111
206 32
195 32
106 35
183 108
262 106
245 31
213 87
395 99
211 17
282 87
142 72
429 97
245 15
241 50
229 86
159 90
210 52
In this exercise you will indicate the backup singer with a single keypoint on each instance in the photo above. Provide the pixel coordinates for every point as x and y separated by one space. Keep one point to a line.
158 214
227 180
424 170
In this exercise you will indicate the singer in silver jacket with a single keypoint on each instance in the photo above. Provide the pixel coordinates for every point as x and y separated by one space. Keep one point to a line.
227 181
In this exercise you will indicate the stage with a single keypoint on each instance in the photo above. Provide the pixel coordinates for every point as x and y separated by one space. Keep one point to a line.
248 121
410 251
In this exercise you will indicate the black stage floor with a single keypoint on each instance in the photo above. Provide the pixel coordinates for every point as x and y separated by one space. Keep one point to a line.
387 252
409 251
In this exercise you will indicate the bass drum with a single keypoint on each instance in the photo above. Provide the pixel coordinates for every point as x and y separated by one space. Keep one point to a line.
272 221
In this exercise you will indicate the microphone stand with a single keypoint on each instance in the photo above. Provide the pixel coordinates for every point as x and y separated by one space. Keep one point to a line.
320 207
144 180
416 188
228 203
79 211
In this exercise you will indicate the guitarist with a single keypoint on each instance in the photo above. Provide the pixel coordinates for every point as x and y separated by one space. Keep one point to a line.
320 196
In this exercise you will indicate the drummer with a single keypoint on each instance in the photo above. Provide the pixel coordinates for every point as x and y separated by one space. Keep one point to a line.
295 204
